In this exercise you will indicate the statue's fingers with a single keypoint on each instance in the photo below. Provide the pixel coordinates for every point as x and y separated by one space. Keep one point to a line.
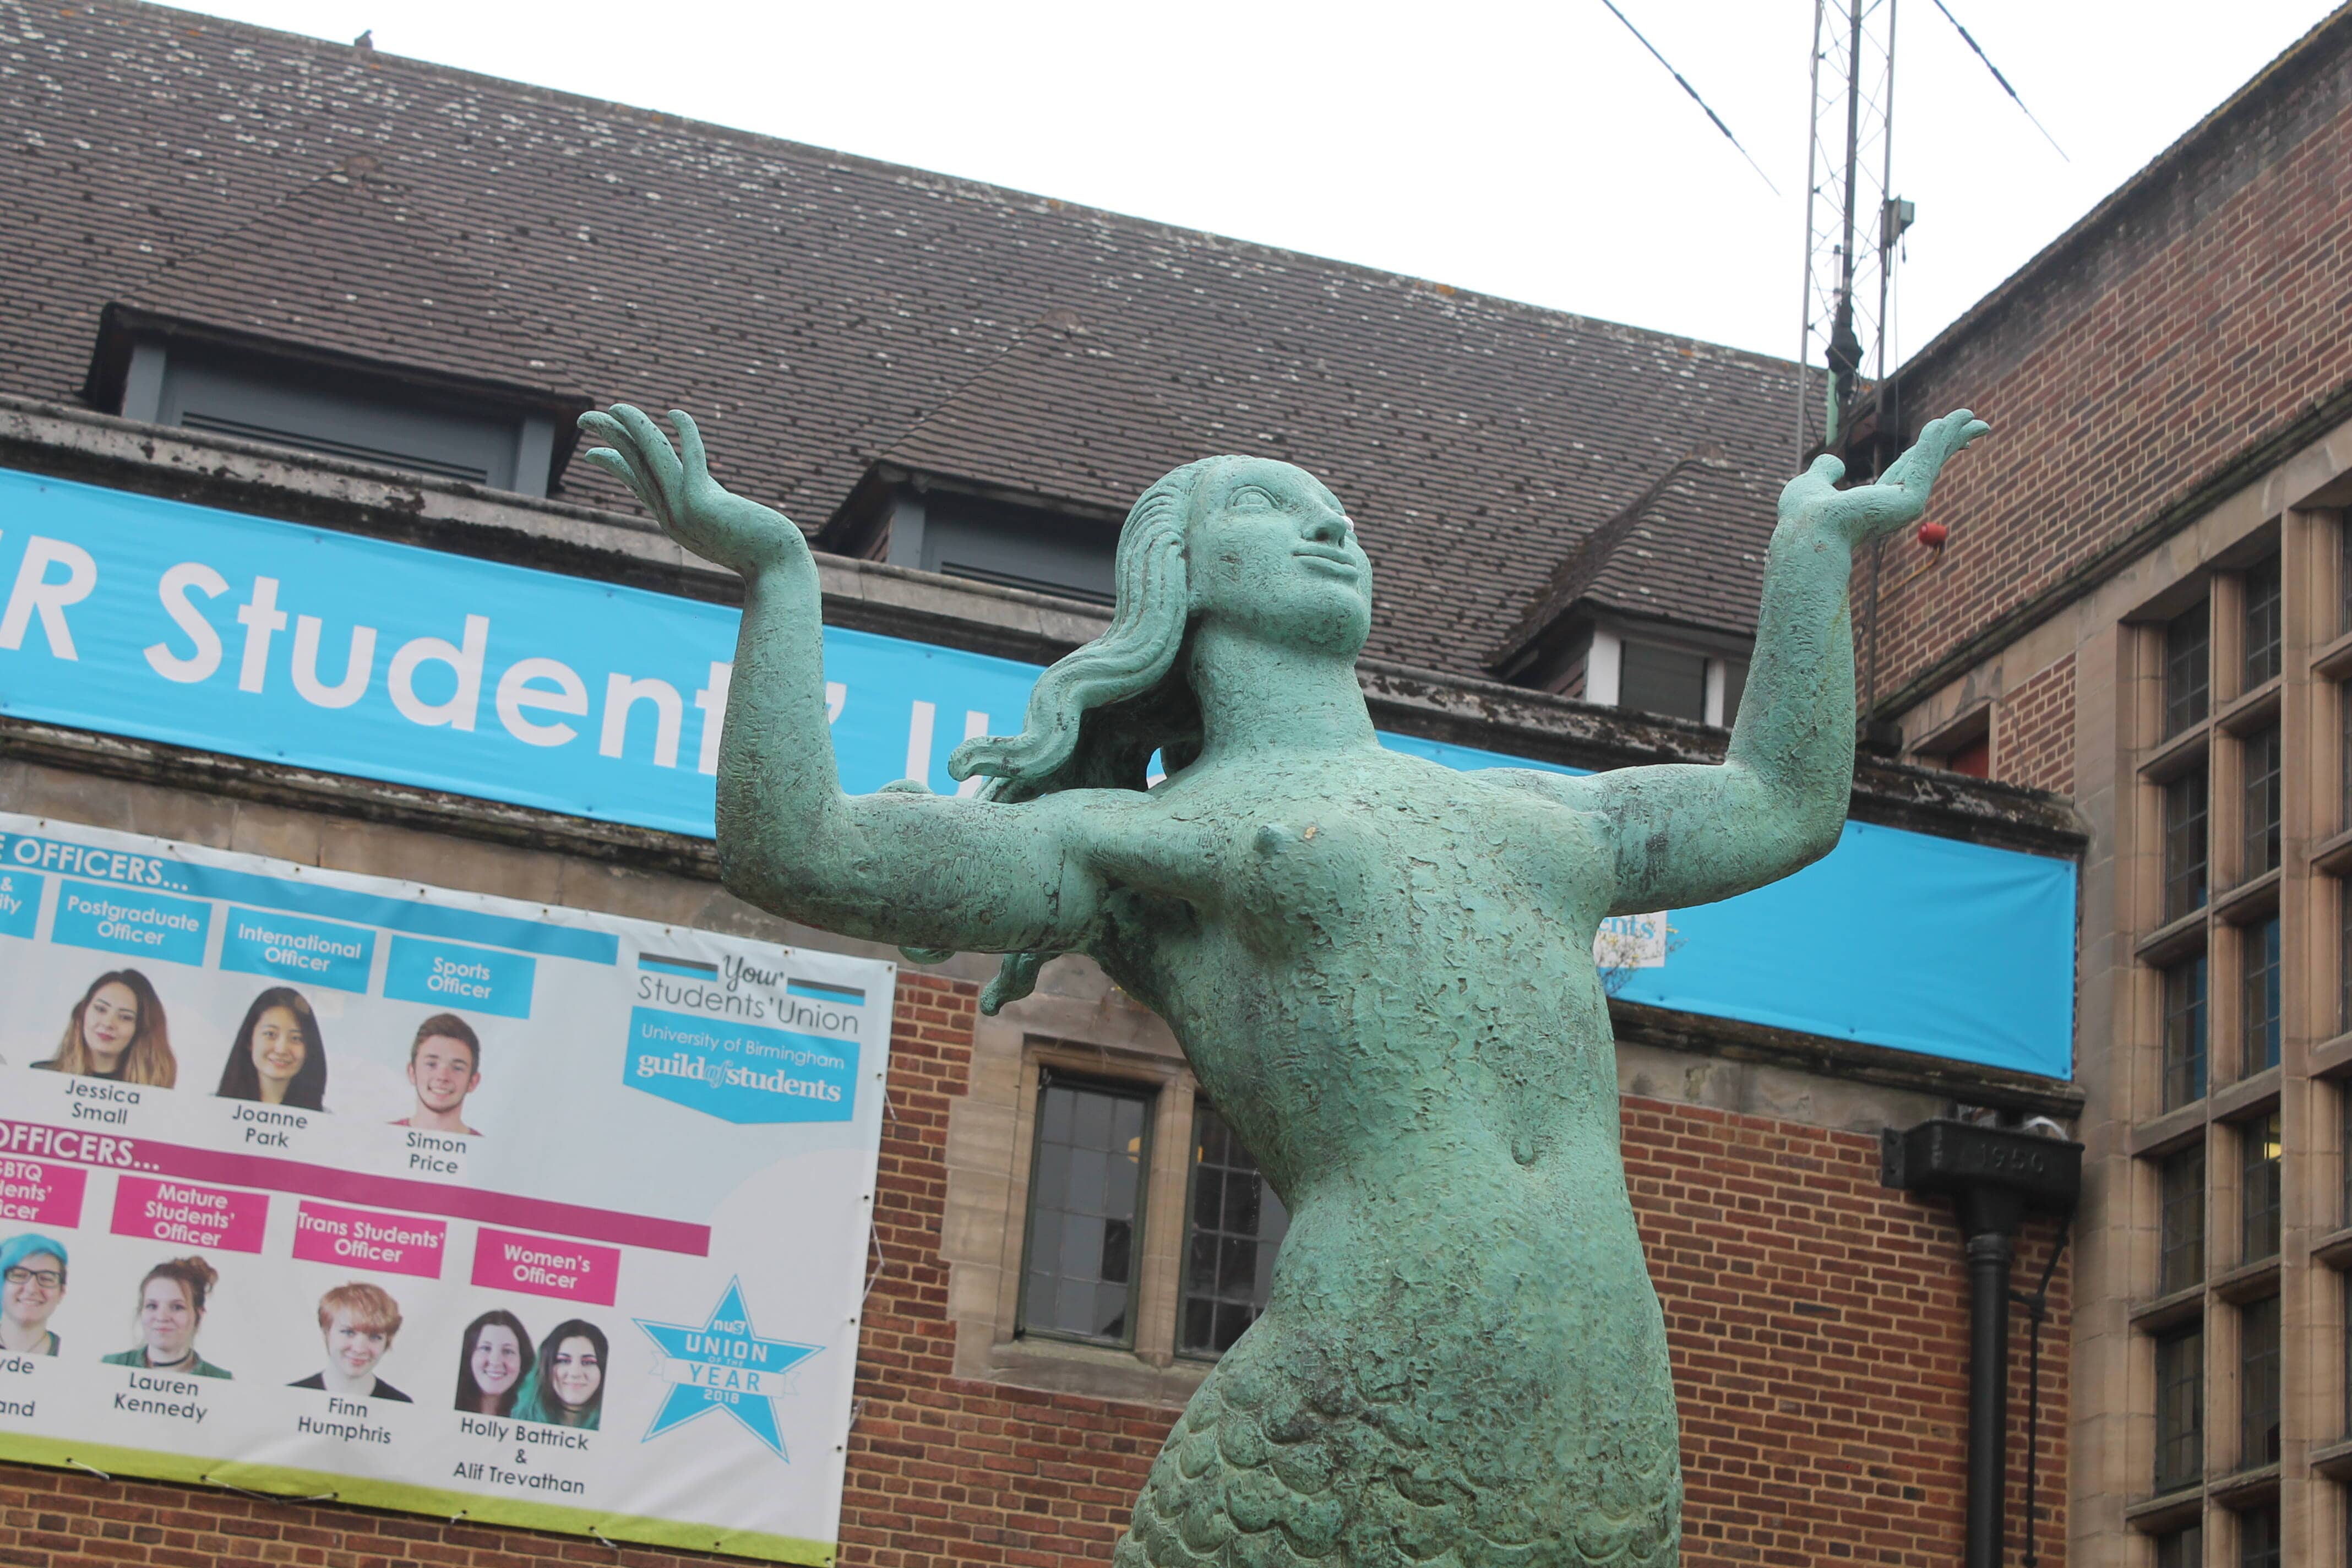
689 441
620 467
599 426
661 471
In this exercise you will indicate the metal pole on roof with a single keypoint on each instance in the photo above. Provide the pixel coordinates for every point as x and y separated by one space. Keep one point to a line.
1812 195
1848 175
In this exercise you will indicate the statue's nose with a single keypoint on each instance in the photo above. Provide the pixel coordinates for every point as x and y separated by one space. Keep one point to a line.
1327 527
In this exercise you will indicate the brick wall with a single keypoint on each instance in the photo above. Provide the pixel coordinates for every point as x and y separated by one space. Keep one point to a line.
1817 1323
2202 317
2033 731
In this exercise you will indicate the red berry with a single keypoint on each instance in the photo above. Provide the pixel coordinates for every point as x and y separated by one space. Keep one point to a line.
1933 534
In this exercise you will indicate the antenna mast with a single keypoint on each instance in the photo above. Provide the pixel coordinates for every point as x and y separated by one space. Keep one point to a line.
1853 219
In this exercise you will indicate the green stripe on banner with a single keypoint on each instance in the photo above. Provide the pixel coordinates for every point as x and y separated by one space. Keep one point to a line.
320 1486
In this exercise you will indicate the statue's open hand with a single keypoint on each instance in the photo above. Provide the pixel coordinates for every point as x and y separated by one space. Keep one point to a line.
1899 498
692 508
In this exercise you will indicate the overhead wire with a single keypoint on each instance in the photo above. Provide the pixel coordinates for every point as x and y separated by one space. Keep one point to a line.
1694 98
1978 49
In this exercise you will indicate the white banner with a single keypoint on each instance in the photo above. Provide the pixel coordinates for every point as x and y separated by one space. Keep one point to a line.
327 1186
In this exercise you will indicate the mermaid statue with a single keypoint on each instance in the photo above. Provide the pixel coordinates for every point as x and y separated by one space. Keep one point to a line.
1380 971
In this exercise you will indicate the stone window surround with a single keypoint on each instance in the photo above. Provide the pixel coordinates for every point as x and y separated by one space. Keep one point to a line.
2118 706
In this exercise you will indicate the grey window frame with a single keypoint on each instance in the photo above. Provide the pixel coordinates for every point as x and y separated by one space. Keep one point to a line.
2180 1184
2259 1547
2179 1408
2344 1165
2188 668
280 400
2188 844
2260 1028
2259 1392
2261 615
2188 1034
1219 1236
2344 963
1658 652
2262 755
2260 1168
1148 1096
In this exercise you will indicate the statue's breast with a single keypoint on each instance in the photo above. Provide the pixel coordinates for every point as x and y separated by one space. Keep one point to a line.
1375 865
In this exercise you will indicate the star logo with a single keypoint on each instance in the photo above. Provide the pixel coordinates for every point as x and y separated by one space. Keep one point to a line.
721 1364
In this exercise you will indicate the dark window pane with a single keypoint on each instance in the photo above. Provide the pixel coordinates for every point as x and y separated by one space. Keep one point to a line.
2261 819
1085 1195
2258 1188
2183 1548
2258 996
2258 1383
1654 679
2186 676
1735 686
2183 1258
2180 1409
2258 1537
2184 1033
1118 1238
2261 623
2344 959
2344 575
2184 856
2344 751
2344 1165
1234 1234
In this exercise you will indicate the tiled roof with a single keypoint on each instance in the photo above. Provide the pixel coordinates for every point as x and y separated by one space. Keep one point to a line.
1688 550
1063 412
376 279
818 311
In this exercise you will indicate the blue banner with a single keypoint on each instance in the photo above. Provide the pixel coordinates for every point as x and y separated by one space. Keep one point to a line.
143 616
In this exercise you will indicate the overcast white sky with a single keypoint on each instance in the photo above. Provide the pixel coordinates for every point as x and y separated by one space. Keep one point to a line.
1526 150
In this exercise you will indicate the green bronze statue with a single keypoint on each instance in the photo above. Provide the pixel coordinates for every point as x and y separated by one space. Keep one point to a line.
1381 970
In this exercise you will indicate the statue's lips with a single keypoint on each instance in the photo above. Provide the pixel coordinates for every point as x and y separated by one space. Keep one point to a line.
1330 558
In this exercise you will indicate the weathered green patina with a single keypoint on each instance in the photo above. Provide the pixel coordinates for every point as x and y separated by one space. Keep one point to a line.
1382 970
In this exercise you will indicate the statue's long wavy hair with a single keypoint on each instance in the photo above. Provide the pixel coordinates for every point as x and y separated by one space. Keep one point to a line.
1097 716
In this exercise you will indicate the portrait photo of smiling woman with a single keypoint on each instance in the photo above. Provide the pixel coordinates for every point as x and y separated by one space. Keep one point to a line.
359 1322
493 1358
279 1056
171 1310
117 1031
31 1283
567 1387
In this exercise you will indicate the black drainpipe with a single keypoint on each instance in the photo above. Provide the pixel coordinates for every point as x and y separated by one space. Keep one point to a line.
1995 1176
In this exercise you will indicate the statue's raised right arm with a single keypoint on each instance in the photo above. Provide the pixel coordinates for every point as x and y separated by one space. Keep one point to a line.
918 869
1688 835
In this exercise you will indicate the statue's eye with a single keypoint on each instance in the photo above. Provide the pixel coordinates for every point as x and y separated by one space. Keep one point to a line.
1249 498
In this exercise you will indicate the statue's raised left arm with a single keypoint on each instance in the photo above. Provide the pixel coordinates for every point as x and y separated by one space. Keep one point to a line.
1686 835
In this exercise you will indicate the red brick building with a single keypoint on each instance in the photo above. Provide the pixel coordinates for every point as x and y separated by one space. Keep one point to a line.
957 390
2144 610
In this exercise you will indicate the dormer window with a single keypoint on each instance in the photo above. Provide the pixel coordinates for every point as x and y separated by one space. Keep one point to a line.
1654 609
1655 672
961 529
502 438
1011 545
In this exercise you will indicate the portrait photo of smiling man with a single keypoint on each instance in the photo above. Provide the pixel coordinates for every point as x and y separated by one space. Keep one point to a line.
359 1322
444 1066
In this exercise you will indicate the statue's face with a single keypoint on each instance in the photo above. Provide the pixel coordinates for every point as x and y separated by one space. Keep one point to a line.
1270 550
